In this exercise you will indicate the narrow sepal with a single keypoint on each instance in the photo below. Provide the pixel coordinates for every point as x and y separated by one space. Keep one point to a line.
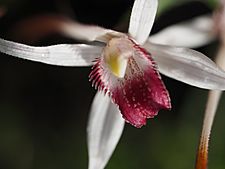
85 32
61 55
104 130
142 18
188 66
191 34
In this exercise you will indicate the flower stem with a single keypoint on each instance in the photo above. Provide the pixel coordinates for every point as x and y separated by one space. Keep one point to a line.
212 103
202 155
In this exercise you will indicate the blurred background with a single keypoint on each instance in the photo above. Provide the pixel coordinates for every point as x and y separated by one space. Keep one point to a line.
44 109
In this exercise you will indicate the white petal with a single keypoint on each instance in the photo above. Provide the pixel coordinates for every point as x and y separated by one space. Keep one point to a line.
142 18
87 32
62 55
187 66
191 34
105 127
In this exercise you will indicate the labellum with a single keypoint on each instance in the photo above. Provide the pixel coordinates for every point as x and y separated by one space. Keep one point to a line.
129 75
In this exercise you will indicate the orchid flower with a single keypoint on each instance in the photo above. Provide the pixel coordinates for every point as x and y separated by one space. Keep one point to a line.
125 72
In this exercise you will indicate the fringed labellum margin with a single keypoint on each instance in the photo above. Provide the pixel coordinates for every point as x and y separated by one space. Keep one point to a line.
129 75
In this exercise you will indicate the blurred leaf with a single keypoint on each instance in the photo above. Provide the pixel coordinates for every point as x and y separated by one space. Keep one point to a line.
212 3
166 4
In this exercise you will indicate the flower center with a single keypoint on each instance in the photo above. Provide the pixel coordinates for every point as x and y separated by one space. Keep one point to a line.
116 55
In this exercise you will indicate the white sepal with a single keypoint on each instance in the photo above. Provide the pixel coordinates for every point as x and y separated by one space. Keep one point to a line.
105 127
142 18
61 55
194 33
85 32
187 66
